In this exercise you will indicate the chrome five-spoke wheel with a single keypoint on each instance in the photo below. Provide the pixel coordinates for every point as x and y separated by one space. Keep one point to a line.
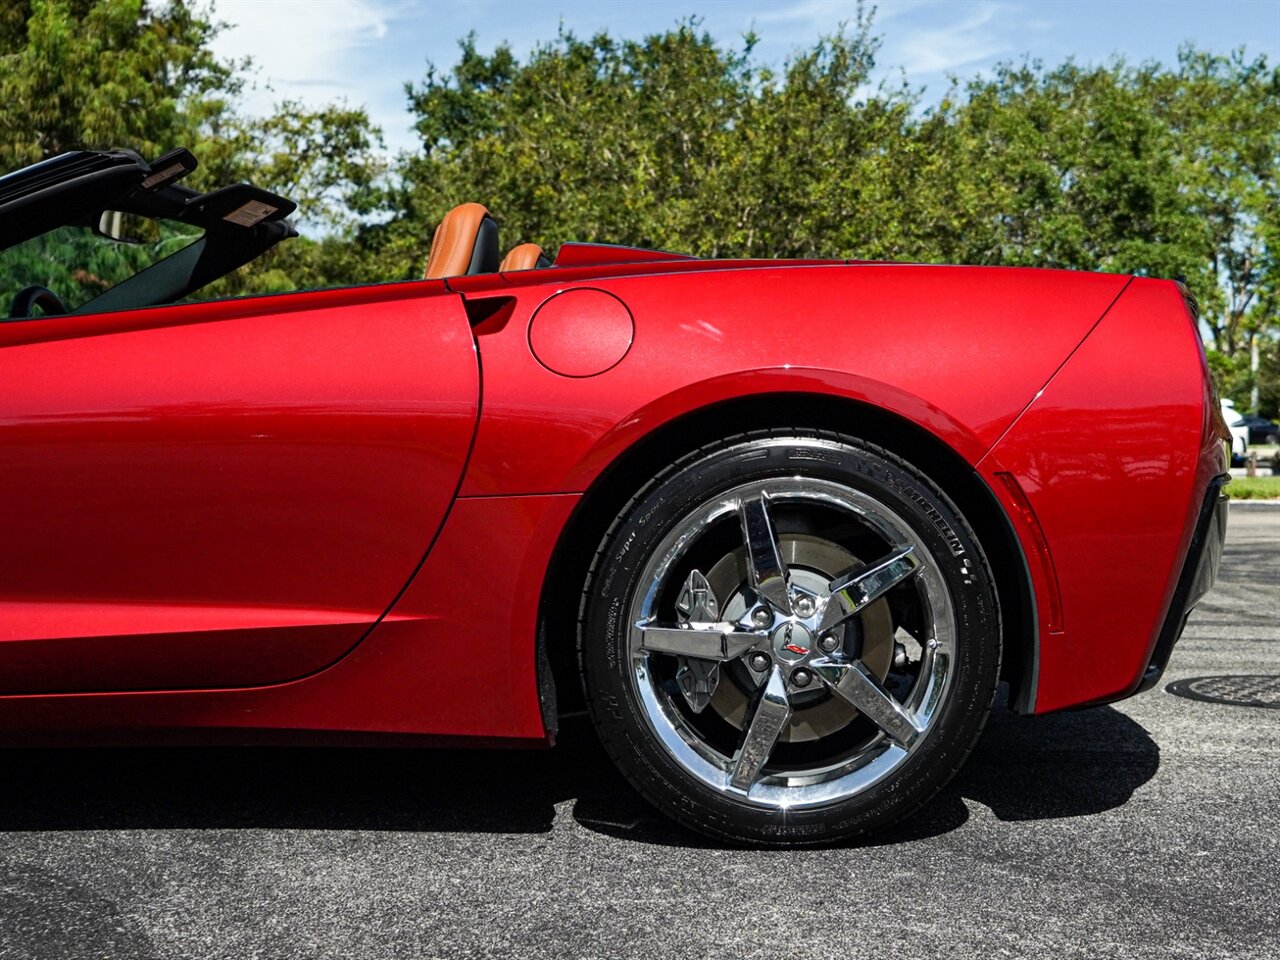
805 652
790 639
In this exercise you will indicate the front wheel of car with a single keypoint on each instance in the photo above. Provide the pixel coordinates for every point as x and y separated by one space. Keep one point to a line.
789 638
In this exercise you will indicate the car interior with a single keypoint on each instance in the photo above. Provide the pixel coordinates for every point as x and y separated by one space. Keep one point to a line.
105 190
115 195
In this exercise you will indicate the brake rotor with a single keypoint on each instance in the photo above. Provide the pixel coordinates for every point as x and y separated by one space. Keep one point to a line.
813 563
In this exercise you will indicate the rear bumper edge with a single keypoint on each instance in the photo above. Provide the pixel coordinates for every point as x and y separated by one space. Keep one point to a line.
1199 570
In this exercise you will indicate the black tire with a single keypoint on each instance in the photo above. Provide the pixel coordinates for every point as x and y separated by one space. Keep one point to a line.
607 659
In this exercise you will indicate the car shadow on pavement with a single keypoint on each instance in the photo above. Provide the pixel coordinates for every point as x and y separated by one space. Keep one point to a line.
1062 765
1024 768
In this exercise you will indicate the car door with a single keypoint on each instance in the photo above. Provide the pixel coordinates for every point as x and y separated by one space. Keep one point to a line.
222 494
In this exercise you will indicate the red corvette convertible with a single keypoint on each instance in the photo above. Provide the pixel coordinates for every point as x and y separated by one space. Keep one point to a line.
784 526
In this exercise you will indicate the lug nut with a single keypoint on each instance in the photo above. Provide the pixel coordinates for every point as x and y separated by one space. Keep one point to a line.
801 678
758 662
804 606
829 644
762 617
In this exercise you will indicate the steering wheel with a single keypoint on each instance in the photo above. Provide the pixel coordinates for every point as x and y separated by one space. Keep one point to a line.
35 296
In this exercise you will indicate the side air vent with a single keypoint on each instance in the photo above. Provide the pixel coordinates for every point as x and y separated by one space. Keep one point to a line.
489 314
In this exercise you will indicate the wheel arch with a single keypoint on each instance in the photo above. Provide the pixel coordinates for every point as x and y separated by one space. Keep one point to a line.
560 605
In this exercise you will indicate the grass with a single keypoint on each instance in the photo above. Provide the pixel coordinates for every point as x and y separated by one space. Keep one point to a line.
1254 488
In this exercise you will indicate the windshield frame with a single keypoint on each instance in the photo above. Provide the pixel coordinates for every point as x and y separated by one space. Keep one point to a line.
239 222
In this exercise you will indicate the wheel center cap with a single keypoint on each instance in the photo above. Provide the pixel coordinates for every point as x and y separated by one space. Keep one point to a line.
792 642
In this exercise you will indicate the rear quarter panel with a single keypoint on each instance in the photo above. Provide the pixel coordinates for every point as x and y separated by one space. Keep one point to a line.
1114 456
960 351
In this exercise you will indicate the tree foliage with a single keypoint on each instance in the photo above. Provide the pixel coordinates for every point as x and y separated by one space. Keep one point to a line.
97 74
679 142
76 73
670 141
675 141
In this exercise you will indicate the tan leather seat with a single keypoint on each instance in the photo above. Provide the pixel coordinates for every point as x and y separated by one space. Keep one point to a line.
526 256
465 243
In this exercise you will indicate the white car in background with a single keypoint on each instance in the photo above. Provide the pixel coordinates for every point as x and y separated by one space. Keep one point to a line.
1239 430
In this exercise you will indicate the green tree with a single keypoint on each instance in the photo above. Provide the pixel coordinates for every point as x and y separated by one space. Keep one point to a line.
96 74
106 73
674 141
328 161
1155 171
670 141
1224 112
677 142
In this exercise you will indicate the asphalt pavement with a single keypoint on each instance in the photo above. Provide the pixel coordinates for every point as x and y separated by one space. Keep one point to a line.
1147 829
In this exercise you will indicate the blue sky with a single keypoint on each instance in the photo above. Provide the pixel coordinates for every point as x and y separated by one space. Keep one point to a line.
364 50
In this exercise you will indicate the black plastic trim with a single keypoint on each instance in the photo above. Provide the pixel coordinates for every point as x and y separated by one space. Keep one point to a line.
1199 570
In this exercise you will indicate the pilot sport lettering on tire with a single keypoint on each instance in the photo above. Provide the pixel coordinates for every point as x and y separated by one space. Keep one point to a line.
789 637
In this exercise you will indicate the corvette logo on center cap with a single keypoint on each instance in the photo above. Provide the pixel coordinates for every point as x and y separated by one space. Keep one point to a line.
787 636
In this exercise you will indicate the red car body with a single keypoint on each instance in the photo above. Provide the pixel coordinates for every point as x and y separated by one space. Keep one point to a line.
360 511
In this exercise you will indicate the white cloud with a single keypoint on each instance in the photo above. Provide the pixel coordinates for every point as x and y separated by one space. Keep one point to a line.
301 48
950 46
823 14
319 52
810 12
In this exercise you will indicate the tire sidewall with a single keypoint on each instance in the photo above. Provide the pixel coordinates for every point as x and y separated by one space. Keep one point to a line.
620 718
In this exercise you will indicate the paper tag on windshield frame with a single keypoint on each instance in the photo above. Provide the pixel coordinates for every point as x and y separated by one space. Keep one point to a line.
159 179
255 211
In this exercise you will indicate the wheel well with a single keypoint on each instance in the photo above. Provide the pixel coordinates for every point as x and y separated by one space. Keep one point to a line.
560 605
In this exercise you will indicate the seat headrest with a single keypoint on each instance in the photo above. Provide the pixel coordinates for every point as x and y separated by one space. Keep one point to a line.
526 256
465 243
